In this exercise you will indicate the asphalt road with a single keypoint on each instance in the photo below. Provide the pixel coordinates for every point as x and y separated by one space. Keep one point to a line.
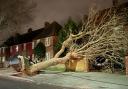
6 83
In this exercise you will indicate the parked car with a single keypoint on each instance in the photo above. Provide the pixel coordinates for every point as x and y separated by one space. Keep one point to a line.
14 62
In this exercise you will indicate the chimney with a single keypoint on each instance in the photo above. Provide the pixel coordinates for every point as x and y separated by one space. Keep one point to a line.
115 2
29 30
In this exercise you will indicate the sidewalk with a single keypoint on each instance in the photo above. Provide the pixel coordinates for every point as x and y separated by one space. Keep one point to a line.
7 71
90 80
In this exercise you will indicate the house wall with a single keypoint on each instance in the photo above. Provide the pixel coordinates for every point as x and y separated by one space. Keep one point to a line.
28 49
49 43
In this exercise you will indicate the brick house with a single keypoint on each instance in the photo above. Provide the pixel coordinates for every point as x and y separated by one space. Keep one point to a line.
26 43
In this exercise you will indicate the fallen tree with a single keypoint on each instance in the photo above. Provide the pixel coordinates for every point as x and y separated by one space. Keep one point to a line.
102 32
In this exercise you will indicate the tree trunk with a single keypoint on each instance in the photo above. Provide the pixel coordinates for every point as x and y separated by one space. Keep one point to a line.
45 64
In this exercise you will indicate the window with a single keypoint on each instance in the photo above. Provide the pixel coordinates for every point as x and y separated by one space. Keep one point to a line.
33 44
48 55
3 59
47 41
17 48
24 46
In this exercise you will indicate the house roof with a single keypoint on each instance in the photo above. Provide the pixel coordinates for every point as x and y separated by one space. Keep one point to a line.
49 30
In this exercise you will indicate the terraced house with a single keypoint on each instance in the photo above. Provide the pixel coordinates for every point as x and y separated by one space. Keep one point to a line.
25 43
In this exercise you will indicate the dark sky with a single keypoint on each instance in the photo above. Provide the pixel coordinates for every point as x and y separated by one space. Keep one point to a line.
60 11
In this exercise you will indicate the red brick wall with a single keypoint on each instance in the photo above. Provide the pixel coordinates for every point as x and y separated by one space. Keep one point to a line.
13 52
49 48
28 48
20 48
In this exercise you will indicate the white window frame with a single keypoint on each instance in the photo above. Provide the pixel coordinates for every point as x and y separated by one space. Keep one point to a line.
17 48
33 44
47 41
3 59
48 55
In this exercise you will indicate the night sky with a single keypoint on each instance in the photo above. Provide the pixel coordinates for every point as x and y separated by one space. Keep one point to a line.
60 11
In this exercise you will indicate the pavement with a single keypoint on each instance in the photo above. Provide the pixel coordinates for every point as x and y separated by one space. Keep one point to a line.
75 80
16 84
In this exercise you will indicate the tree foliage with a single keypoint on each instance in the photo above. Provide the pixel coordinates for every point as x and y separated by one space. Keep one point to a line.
105 32
70 27
40 50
